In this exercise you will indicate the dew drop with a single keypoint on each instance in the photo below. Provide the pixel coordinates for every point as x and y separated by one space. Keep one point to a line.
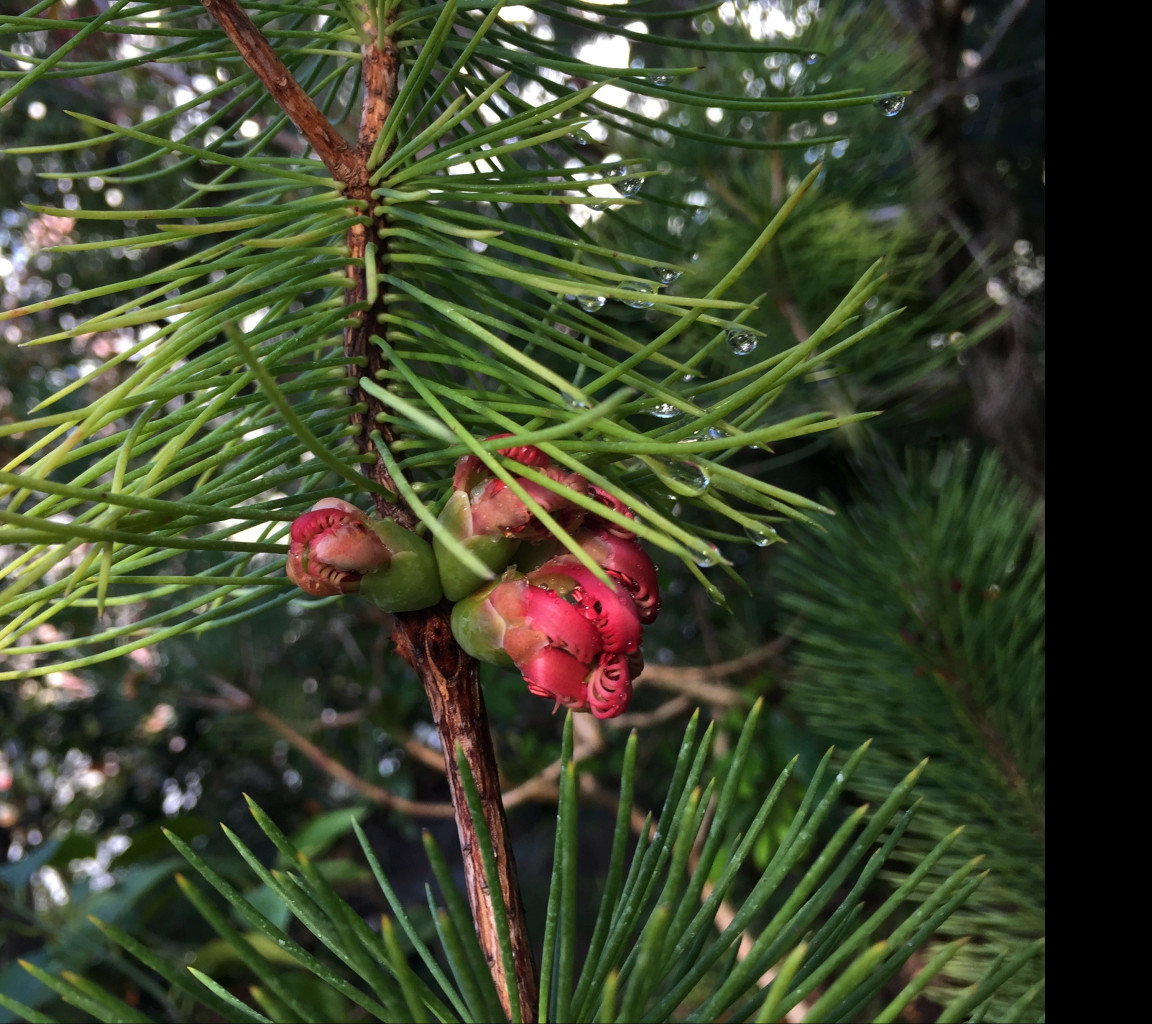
664 411
812 58
890 106
937 341
629 186
708 556
666 275
661 79
761 535
686 478
580 137
643 289
742 343
616 171
956 338
591 303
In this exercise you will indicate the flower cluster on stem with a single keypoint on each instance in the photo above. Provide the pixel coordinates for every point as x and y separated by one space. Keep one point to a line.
574 633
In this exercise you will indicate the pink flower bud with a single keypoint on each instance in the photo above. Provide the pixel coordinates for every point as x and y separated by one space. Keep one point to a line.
332 547
513 621
551 641
337 549
471 471
574 638
497 509
489 519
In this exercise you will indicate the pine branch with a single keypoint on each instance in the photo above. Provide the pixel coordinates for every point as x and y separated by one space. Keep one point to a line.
922 626
258 54
424 639
379 64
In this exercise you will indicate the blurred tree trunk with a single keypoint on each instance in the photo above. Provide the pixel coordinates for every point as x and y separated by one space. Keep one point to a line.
1002 372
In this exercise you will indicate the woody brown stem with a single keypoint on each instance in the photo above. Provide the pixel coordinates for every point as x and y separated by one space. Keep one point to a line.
424 638
258 54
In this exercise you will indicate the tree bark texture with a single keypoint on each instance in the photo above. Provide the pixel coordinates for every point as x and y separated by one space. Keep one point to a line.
452 683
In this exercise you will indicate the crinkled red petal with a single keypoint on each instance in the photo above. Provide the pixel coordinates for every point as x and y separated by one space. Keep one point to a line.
312 522
609 686
611 501
470 469
565 625
525 454
625 560
610 609
557 674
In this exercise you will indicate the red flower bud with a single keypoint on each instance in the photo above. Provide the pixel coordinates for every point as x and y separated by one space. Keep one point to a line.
332 548
337 549
497 509
573 637
489 518
525 454
514 620
471 471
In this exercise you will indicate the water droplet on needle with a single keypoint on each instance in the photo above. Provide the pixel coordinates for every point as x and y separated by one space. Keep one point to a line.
742 343
890 106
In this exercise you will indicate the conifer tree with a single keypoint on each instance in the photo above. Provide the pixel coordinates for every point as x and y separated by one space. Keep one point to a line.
435 307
